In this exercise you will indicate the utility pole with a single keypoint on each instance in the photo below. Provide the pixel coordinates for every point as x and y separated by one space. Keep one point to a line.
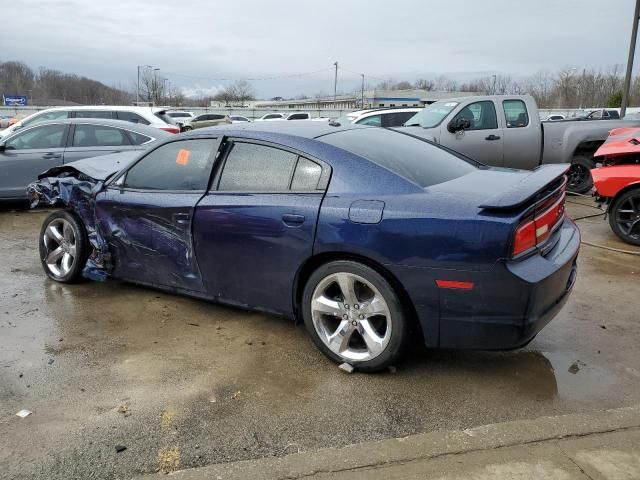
335 84
362 92
632 53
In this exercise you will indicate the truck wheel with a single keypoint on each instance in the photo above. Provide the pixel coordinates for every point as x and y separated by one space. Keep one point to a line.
624 216
580 174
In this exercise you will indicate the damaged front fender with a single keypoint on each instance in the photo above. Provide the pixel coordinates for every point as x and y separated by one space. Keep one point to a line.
75 185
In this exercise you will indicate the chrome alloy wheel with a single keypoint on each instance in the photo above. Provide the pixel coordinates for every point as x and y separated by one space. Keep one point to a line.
350 316
60 247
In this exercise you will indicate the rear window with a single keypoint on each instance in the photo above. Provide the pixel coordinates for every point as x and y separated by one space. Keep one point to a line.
162 115
416 160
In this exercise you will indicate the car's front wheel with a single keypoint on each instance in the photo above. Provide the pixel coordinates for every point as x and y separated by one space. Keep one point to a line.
354 315
64 247
624 216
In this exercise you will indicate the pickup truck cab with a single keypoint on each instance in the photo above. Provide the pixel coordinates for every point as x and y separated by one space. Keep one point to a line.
506 131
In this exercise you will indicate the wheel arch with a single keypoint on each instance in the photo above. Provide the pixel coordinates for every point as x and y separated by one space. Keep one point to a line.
587 148
622 191
315 261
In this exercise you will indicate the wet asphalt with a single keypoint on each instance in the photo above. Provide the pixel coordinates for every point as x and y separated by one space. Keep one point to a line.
183 383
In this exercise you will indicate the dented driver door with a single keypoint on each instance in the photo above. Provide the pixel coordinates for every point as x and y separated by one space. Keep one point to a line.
146 214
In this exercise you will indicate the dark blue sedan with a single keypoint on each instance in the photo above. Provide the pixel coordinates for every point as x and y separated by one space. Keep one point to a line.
366 234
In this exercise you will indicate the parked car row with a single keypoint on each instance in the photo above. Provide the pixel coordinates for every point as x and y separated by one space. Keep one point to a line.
39 146
151 116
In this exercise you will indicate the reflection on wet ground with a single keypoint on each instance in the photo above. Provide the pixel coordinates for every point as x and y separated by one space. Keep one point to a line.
105 364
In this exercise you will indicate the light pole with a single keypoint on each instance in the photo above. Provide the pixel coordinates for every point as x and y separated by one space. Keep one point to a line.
335 84
362 92
138 84
632 53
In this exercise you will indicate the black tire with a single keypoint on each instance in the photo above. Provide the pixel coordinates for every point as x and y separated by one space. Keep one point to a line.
186 128
80 247
580 174
620 221
398 323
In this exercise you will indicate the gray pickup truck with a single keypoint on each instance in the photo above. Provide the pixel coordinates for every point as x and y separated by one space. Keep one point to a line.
506 131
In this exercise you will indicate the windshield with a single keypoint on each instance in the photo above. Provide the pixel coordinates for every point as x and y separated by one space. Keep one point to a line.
432 115
345 119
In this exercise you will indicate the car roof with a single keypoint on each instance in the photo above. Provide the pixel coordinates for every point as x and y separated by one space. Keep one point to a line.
297 129
134 127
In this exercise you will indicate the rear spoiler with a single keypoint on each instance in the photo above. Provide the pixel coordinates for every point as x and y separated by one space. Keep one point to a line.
529 187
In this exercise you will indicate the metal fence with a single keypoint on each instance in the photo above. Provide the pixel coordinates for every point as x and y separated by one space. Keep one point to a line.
253 113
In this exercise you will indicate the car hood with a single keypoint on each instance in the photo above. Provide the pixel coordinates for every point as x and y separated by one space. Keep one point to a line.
97 168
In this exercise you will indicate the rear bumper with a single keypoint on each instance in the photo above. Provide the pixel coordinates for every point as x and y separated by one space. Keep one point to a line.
514 301
508 304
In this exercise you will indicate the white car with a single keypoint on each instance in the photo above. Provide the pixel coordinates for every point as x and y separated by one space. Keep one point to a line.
285 116
380 117
271 116
239 119
152 116
180 118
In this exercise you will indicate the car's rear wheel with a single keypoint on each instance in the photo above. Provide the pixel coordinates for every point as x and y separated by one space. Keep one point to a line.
187 128
64 247
624 216
354 315
580 174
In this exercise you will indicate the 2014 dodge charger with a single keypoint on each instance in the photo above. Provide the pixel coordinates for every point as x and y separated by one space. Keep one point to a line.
362 232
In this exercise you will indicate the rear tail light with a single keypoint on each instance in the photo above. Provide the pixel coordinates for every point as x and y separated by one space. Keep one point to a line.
171 129
535 232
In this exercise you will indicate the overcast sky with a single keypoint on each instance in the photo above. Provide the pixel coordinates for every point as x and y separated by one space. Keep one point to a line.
197 42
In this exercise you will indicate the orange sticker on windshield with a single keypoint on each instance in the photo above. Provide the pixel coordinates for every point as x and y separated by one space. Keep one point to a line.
183 157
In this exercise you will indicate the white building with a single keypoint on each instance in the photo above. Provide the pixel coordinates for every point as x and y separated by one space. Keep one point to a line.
372 99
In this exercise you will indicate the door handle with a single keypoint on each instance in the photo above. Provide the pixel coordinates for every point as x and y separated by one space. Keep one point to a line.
181 218
293 220
51 155
492 137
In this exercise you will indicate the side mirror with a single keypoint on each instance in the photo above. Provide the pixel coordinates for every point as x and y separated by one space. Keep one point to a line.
458 124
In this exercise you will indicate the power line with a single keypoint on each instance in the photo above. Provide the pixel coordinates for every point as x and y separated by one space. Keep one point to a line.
274 77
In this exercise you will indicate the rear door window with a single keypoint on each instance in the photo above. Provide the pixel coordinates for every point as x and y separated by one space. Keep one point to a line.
515 113
138 138
183 165
257 168
307 175
99 136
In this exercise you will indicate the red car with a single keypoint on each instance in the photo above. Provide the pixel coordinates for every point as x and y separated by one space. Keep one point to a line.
617 182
